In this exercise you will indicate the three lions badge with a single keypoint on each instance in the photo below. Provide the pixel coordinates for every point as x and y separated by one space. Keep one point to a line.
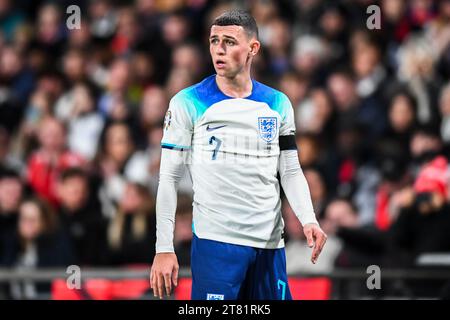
267 128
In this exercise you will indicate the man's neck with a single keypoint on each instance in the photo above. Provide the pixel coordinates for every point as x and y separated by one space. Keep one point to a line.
240 86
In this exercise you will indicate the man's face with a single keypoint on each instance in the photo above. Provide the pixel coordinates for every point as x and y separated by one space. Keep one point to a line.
342 90
73 193
52 136
231 49
30 221
10 194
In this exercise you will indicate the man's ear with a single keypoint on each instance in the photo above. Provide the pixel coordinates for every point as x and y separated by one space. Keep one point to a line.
254 47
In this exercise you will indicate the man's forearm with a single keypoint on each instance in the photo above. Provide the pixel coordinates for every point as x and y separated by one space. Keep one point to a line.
296 187
171 171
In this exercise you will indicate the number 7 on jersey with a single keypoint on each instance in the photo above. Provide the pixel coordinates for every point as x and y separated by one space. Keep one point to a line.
218 144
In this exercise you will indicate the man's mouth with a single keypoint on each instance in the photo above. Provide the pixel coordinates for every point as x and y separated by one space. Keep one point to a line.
220 63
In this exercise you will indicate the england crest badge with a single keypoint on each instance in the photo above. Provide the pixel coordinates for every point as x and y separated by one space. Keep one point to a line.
267 128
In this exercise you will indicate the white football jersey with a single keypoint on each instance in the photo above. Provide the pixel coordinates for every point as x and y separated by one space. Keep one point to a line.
232 151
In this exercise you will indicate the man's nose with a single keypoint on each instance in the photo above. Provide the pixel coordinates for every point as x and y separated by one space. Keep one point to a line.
220 49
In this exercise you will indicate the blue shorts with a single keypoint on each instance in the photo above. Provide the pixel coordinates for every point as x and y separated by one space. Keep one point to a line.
223 271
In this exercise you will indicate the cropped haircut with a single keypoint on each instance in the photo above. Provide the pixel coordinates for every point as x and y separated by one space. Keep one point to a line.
238 18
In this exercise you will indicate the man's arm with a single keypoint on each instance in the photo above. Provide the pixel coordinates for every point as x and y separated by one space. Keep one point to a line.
297 192
175 144
172 169
293 180
165 266
295 186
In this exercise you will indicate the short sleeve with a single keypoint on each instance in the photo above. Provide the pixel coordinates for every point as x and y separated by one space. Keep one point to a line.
178 125
287 126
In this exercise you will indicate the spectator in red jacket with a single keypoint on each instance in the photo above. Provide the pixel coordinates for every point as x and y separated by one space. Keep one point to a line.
46 164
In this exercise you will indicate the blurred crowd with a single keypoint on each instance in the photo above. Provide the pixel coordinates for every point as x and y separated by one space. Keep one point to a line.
81 114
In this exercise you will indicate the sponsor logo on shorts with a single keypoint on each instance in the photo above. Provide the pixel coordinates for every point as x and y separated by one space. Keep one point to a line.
213 296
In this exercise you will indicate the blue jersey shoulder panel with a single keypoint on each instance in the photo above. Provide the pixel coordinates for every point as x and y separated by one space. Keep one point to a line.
199 97
275 99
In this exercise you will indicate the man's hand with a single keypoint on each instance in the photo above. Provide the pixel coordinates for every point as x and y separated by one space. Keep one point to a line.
164 273
314 237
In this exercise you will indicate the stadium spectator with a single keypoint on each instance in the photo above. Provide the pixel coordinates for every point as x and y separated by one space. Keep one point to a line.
402 115
423 225
84 124
151 112
314 114
38 242
175 28
361 246
143 70
74 67
368 68
15 71
11 19
131 233
308 57
278 42
417 70
365 111
114 99
424 221
9 160
295 86
118 160
127 32
37 109
189 56
11 193
81 217
50 34
103 16
46 163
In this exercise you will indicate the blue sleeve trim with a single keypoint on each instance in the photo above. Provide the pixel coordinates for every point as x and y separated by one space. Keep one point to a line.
174 147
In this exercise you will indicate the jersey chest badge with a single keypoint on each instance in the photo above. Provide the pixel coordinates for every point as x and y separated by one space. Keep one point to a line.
267 128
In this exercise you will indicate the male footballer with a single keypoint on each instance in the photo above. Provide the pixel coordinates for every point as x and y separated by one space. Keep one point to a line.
233 135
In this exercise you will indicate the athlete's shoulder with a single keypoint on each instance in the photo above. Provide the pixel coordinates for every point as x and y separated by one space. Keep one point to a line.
276 99
196 91
196 98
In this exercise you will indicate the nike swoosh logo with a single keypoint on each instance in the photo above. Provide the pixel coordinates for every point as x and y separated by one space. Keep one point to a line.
208 128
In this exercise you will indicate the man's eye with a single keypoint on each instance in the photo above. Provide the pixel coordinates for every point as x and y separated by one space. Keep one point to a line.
229 42
214 41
